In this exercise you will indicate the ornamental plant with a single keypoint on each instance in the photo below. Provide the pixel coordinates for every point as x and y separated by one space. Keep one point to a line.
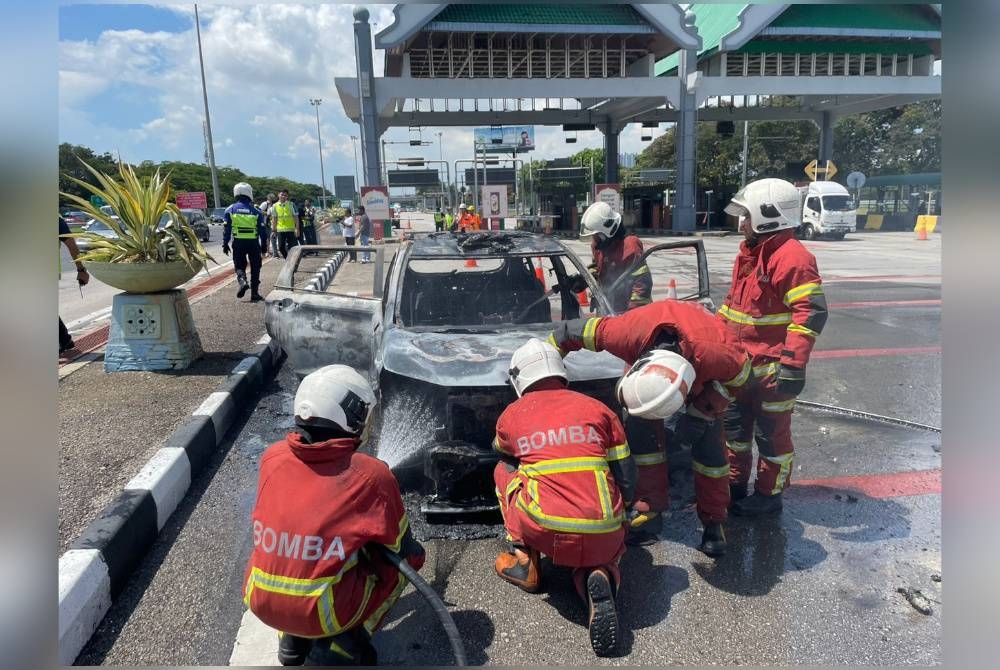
138 206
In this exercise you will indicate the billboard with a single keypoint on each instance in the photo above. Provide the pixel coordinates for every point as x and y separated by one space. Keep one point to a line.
493 176
404 178
609 193
343 187
193 200
375 200
494 201
505 139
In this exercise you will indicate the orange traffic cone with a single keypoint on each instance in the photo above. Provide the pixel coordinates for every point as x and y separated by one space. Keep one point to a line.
582 298
672 289
921 229
471 263
540 272
407 226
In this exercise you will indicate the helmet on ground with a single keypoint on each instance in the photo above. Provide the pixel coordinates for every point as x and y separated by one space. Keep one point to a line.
534 361
600 218
243 188
772 205
657 385
335 396
472 208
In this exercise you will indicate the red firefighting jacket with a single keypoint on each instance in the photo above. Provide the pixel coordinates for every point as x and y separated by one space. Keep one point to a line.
564 441
318 505
615 259
775 308
721 368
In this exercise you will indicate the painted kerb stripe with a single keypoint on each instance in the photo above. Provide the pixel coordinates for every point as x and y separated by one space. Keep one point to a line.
861 353
99 563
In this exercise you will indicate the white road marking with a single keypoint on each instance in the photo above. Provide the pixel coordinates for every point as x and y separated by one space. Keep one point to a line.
256 643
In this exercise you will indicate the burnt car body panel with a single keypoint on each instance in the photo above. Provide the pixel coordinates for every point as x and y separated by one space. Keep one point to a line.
434 332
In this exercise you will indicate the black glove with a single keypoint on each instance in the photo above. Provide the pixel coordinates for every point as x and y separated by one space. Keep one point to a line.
690 429
791 380
225 248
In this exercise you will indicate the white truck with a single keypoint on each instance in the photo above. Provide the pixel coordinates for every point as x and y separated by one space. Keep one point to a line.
827 209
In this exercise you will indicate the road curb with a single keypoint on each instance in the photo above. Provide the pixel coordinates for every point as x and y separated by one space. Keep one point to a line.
96 568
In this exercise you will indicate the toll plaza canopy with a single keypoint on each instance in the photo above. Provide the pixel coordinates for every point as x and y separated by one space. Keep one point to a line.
589 66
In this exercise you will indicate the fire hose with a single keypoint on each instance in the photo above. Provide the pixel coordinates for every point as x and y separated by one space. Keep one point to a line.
868 416
433 599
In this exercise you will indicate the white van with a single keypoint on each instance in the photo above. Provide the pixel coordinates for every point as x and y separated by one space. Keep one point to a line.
827 209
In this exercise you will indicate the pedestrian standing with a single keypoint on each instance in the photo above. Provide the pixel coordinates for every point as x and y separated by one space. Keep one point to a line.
265 209
775 310
285 222
690 333
245 224
449 220
365 232
349 233
324 513
307 222
564 477
438 220
82 278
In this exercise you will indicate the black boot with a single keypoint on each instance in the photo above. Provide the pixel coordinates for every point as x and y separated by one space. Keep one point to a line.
293 650
256 297
602 621
758 504
350 648
737 492
241 279
643 528
713 540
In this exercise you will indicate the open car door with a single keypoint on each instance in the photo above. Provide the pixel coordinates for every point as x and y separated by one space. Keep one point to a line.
325 309
678 269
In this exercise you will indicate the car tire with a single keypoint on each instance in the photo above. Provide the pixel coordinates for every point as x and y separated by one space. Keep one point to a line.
839 236
808 232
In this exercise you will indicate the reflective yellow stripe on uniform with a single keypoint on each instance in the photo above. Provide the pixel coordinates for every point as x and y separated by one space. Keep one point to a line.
766 369
557 466
722 390
608 522
802 291
552 341
742 318
713 472
784 462
741 378
650 459
737 447
371 623
808 332
641 270
618 453
776 407
590 334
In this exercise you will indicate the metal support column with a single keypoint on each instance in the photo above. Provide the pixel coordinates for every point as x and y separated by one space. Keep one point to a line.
610 153
366 94
825 138
683 216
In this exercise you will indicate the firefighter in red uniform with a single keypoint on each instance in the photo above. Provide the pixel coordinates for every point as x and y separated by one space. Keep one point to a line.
775 310
563 480
313 572
614 252
720 368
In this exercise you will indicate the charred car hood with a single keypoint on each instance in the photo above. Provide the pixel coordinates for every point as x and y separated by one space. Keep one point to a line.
481 358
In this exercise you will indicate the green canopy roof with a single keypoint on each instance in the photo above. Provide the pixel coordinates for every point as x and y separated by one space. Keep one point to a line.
602 15
713 22
861 17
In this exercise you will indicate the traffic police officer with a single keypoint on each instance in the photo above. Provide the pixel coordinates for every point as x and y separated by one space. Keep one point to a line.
245 224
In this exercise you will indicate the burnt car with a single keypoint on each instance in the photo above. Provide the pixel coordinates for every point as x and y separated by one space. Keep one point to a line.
434 321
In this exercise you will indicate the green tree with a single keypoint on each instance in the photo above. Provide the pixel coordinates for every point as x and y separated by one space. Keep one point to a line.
70 156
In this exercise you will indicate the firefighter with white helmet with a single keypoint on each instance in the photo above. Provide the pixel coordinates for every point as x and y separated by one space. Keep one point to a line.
682 360
245 224
614 252
319 503
775 310
564 477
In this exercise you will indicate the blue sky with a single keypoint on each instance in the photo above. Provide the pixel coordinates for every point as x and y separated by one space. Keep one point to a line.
129 84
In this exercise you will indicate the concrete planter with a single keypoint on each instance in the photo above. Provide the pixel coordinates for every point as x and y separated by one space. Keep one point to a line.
142 277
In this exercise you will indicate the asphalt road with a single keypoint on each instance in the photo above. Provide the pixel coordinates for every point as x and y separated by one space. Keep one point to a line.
818 584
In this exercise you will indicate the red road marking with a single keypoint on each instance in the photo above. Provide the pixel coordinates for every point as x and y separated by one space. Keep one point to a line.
833 280
883 303
887 485
859 353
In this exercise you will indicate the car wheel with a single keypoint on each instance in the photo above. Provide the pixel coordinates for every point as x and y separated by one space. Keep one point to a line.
808 232
839 236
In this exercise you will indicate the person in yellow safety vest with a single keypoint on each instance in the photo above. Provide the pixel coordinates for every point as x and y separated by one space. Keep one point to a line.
449 220
438 220
285 222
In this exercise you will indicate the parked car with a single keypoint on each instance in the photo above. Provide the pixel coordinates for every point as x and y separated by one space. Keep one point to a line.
75 219
217 215
434 329
95 226
198 222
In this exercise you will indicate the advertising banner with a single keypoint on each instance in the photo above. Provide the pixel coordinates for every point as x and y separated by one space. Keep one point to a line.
193 200
505 139
494 200
609 193
375 200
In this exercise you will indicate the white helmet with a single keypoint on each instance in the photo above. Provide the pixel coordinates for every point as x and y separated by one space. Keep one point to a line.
335 396
600 218
771 204
534 361
243 188
657 385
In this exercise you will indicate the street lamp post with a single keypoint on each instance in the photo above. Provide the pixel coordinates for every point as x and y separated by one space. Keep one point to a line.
357 182
208 120
316 102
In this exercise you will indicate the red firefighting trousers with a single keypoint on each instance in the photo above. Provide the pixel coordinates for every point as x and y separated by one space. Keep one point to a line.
763 415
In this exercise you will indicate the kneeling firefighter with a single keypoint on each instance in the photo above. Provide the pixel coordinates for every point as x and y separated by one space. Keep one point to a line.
245 224
718 369
563 479
319 503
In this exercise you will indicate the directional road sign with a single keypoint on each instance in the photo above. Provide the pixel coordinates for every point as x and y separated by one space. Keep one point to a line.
813 169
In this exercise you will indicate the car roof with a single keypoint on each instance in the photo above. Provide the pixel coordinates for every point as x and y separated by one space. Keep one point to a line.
484 243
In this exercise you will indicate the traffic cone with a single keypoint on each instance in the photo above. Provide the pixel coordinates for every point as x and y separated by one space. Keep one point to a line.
407 226
471 263
672 289
582 298
540 272
921 229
